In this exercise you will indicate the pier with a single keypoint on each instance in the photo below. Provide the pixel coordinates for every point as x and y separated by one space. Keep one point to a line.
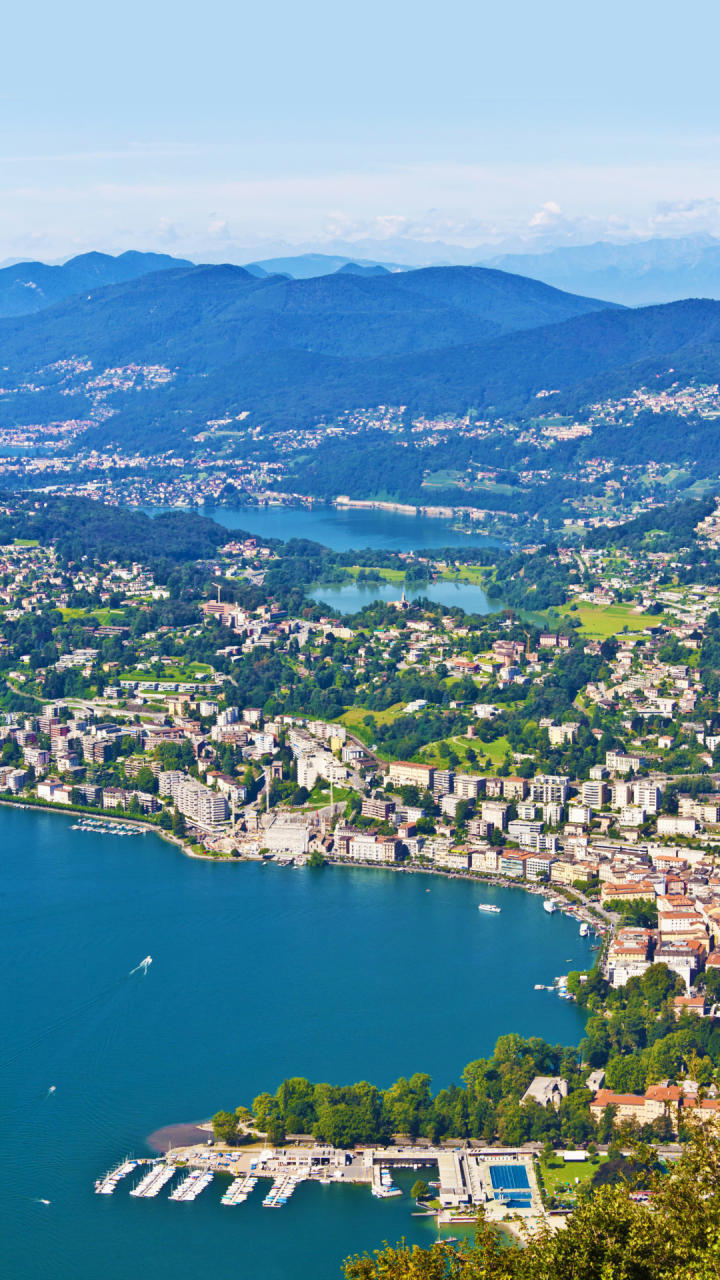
106 1185
239 1190
153 1182
191 1187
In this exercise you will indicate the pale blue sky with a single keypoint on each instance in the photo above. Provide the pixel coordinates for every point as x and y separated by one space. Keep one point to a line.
214 128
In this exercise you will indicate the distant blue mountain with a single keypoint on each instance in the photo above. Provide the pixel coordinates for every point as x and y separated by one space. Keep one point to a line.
357 269
307 265
639 274
26 287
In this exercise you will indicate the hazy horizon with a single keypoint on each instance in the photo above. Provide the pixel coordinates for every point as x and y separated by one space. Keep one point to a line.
260 132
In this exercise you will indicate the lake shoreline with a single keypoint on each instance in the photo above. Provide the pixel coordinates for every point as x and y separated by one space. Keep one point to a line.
536 890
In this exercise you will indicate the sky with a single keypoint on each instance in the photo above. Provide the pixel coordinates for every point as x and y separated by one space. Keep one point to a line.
223 130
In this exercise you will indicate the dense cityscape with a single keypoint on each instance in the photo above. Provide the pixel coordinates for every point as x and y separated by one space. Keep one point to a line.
577 758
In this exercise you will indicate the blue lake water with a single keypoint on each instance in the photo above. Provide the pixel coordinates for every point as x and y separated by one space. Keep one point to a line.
349 597
348 529
258 973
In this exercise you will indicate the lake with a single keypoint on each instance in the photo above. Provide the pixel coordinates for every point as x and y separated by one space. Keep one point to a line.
349 597
347 529
258 973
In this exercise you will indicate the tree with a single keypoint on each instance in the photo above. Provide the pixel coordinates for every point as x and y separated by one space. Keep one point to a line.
178 824
145 780
420 1190
225 1127
610 1236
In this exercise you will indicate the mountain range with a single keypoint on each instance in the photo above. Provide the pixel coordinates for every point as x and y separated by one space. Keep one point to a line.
202 318
289 352
637 274
27 287
304 266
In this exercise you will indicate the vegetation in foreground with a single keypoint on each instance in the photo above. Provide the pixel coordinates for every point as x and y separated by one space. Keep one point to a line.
669 1232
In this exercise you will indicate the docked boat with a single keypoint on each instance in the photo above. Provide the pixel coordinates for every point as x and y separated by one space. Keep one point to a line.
488 906
387 1187
195 1182
239 1189
549 906
106 1186
584 929
153 1182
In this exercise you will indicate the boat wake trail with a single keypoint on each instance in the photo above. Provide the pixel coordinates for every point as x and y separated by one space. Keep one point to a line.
81 1010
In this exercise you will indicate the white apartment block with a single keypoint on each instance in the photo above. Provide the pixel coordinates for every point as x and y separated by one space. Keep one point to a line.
201 805
595 794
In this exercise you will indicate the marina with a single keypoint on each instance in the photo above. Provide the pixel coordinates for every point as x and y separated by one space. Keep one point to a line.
502 1180
99 827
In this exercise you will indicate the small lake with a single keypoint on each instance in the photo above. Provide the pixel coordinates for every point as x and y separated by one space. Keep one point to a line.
350 597
347 529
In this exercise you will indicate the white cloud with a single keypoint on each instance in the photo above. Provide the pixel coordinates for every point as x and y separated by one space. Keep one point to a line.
420 209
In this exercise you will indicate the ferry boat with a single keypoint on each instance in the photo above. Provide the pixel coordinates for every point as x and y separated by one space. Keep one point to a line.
488 906
584 929
549 906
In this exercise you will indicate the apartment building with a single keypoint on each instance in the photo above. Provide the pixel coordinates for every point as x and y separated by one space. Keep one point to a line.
405 774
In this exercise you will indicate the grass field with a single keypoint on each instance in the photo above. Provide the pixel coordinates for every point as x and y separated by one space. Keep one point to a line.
388 575
193 671
106 617
354 716
602 620
477 574
444 479
558 1179
461 745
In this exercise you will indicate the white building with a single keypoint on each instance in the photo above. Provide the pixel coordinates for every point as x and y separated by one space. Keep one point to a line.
202 806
